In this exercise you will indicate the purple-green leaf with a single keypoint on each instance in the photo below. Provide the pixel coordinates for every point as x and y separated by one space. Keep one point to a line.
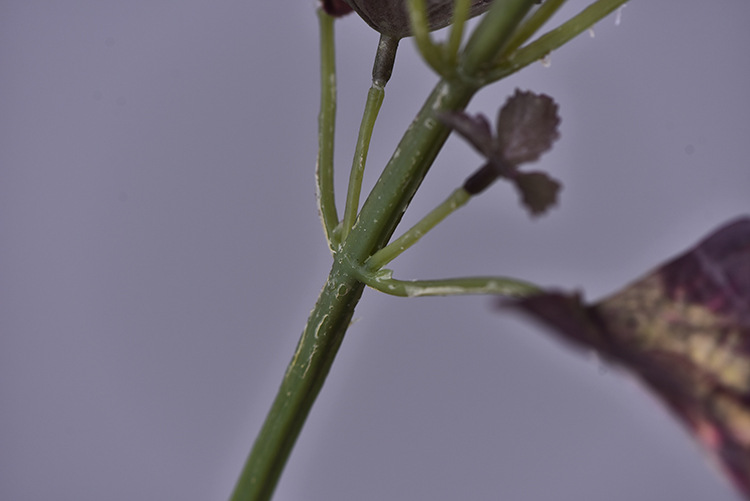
684 330
538 191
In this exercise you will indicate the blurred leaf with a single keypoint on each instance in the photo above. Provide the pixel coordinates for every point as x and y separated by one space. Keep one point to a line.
538 191
526 127
474 128
684 329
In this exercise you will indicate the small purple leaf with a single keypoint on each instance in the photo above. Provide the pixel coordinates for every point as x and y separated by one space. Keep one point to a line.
526 127
538 191
475 129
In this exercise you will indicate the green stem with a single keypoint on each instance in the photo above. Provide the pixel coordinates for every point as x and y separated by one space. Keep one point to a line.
405 170
334 309
492 34
533 23
457 199
302 381
431 53
503 286
372 108
326 128
553 39
452 46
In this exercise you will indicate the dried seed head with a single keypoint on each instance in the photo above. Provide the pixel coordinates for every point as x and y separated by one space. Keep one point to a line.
390 17
336 8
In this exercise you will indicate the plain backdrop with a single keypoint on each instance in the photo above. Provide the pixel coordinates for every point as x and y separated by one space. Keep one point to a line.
160 251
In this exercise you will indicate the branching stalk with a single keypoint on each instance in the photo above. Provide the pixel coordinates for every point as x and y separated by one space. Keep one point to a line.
331 316
366 233
431 52
452 46
553 39
457 199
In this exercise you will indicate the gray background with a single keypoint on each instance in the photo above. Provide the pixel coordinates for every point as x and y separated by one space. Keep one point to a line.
160 251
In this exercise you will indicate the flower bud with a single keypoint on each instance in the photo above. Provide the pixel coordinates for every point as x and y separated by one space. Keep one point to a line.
391 17
336 8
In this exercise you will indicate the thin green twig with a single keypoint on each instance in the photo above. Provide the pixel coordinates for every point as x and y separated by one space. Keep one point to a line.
503 286
492 35
457 199
326 128
372 107
553 39
453 44
531 25
431 52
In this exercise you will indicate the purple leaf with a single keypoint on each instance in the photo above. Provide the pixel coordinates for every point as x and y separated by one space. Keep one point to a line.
475 129
526 127
684 330
538 191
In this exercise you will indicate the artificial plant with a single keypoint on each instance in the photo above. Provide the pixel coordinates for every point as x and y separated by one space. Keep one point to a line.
361 238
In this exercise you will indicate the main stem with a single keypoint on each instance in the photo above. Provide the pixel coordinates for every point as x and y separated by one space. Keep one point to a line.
333 311
302 381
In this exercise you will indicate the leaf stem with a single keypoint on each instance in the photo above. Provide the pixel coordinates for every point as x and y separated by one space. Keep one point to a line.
384 282
333 311
381 73
457 199
531 25
553 39
405 171
326 128
372 108
453 44
431 52
492 34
